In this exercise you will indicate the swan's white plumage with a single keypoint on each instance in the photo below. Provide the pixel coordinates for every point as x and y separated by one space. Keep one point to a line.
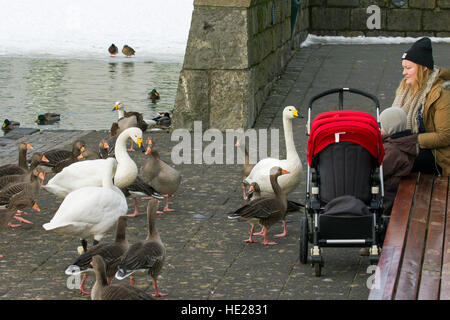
91 211
89 172
261 171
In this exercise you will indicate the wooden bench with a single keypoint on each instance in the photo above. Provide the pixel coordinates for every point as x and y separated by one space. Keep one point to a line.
415 259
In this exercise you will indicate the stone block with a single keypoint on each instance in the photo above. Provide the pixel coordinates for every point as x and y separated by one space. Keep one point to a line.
343 3
436 20
225 3
218 37
443 4
422 4
192 100
230 99
330 19
403 20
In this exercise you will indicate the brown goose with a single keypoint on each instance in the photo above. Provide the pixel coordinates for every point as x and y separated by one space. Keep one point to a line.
103 291
292 206
36 159
265 211
162 177
247 168
21 195
58 159
22 166
145 256
110 252
139 189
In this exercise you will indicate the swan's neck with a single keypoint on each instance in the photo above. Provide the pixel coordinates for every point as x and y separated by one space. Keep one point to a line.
120 149
121 113
291 152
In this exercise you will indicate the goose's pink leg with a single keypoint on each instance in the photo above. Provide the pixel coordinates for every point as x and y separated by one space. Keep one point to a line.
157 293
266 242
250 239
284 231
82 285
136 212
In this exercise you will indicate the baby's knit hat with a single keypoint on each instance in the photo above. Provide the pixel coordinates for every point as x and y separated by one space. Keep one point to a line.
393 120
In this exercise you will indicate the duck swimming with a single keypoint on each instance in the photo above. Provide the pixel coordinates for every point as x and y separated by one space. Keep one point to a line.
47 118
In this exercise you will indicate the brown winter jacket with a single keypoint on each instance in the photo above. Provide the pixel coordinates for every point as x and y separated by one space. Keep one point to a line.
401 151
436 116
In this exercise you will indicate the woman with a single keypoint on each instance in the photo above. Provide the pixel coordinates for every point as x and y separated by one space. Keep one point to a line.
424 94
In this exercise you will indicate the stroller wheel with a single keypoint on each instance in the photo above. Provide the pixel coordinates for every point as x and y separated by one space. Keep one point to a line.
303 239
318 269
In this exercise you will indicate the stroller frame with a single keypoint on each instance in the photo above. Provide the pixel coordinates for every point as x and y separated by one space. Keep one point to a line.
309 228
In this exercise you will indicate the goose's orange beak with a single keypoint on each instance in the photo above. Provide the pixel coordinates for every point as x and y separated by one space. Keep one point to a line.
35 207
284 171
105 145
29 147
44 159
149 150
80 156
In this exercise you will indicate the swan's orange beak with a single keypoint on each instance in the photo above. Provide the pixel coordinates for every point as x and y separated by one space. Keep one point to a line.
284 171
44 159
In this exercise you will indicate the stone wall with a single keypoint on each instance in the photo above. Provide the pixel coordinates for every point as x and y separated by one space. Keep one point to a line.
235 50
348 18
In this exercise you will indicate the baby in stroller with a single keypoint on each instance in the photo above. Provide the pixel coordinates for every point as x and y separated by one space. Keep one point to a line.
401 149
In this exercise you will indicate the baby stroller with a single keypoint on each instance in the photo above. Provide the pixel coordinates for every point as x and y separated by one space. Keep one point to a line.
344 199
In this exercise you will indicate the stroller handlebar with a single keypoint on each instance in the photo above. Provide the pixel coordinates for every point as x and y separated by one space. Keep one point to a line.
341 99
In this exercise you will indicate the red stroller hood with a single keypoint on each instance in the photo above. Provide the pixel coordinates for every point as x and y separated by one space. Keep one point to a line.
353 126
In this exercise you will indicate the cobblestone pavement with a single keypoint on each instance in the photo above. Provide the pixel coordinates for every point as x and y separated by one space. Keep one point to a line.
206 255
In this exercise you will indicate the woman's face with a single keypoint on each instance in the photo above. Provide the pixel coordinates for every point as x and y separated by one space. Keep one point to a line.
409 71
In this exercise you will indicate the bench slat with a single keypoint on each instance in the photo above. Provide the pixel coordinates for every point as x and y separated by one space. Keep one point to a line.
393 243
409 276
445 280
431 269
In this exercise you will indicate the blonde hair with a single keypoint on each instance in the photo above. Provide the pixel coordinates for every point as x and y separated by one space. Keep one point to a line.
421 78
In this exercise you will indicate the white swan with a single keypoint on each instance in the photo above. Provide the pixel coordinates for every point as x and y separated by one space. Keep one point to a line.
261 171
91 211
86 173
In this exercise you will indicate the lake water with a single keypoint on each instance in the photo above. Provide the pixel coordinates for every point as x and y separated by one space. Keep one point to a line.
83 91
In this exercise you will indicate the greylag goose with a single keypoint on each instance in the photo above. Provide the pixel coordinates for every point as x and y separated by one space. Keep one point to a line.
88 173
21 195
22 166
128 51
145 256
162 177
91 210
110 252
292 206
47 118
265 211
102 291
9 125
247 168
36 159
113 50
139 189
58 159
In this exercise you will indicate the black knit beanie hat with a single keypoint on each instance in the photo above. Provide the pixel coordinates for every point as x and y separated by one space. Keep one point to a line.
421 53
